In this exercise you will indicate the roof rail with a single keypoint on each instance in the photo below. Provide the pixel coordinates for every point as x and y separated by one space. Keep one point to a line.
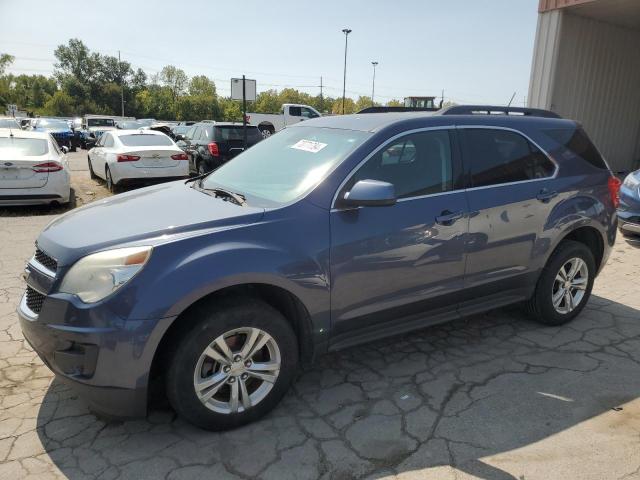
498 110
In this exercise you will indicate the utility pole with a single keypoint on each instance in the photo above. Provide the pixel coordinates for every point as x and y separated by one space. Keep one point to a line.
321 98
373 87
121 85
346 32
442 99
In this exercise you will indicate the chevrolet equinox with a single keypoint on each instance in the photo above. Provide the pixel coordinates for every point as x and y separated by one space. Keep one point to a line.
333 232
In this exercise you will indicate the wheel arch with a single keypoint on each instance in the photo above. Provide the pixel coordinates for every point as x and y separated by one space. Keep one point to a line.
266 125
284 301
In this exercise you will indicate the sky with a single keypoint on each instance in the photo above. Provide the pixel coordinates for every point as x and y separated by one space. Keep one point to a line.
476 51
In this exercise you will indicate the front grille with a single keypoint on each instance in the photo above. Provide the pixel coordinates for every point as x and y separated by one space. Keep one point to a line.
45 260
34 300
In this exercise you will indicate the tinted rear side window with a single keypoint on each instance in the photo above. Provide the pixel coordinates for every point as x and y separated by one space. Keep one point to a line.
143 140
576 141
502 156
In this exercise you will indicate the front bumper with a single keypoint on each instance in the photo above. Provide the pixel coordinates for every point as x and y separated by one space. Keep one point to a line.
629 221
108 363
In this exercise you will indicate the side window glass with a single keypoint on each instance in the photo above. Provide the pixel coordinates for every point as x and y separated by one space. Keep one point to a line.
108 140
190 133
416 164
502 156
308 113
295 111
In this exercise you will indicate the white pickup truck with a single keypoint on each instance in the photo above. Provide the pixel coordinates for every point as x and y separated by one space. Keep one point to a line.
270 123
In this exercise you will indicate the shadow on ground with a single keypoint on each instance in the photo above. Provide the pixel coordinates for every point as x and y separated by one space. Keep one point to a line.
448 395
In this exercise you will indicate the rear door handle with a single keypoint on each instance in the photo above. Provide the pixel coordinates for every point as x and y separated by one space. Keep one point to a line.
545 195
448 218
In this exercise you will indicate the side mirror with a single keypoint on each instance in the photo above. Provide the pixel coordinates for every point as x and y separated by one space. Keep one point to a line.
65 149
370 193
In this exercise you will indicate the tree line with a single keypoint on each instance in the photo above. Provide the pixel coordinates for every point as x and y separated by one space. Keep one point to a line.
89 82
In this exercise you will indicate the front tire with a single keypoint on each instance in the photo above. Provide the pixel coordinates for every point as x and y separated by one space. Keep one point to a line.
565 284
233 366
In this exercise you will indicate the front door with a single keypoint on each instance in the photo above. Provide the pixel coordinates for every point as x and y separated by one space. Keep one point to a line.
393 261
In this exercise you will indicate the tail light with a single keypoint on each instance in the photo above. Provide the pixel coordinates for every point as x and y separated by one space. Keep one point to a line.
614 190
128 158
213 149
47 167
180 156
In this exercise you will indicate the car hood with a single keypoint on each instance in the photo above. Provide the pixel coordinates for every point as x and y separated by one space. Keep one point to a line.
146 215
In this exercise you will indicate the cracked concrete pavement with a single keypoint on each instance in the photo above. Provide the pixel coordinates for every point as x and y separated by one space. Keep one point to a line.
492 396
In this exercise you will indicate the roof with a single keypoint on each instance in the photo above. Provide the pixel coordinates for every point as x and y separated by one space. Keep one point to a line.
375 122
4 132
135 131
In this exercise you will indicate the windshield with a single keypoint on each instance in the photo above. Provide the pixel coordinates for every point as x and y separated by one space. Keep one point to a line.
13 146
145 140
48 123
287 165
132 125
147 122
100 122
236 133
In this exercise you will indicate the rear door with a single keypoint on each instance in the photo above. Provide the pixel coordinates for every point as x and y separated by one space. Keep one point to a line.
19 158
510 197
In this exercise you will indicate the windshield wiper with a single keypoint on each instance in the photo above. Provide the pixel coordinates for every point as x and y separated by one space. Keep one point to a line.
234 197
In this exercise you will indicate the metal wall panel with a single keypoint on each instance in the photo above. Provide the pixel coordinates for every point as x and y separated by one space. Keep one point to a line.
545 56
597 82
546 5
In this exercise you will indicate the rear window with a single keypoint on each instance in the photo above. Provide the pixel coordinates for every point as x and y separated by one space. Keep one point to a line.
31 147
8 123
576 141
235 133
142 140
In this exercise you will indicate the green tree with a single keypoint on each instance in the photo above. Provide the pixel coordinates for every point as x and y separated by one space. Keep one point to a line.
349 106
175 80
201 85
5 61
267 102
60 104
362 102
230 110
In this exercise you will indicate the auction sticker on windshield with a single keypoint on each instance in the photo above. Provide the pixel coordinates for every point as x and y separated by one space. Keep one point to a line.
309 146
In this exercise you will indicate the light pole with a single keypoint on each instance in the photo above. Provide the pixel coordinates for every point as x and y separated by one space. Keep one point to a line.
373 88
346 32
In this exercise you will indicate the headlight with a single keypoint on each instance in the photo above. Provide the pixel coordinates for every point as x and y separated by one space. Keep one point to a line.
95 276
631 181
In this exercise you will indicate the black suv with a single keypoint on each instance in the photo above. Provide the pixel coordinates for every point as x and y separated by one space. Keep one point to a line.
209 145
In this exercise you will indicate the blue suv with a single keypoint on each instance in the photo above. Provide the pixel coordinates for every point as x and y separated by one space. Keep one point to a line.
337 231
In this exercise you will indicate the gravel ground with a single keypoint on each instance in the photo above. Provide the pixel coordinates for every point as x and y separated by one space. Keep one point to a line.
493 397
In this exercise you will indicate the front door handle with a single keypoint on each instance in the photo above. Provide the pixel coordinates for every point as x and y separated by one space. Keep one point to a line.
545 195
449 218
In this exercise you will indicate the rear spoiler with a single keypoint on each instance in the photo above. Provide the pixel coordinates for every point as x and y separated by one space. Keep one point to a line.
497 110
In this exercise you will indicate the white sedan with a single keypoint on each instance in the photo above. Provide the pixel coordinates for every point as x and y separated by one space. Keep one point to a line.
136 156
33 169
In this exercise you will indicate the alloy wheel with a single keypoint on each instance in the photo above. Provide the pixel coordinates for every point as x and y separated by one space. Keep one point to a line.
237 370
570 285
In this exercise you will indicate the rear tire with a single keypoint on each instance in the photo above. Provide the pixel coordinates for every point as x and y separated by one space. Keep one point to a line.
201 167
231 323
550 304
112 187
92 174
266 131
